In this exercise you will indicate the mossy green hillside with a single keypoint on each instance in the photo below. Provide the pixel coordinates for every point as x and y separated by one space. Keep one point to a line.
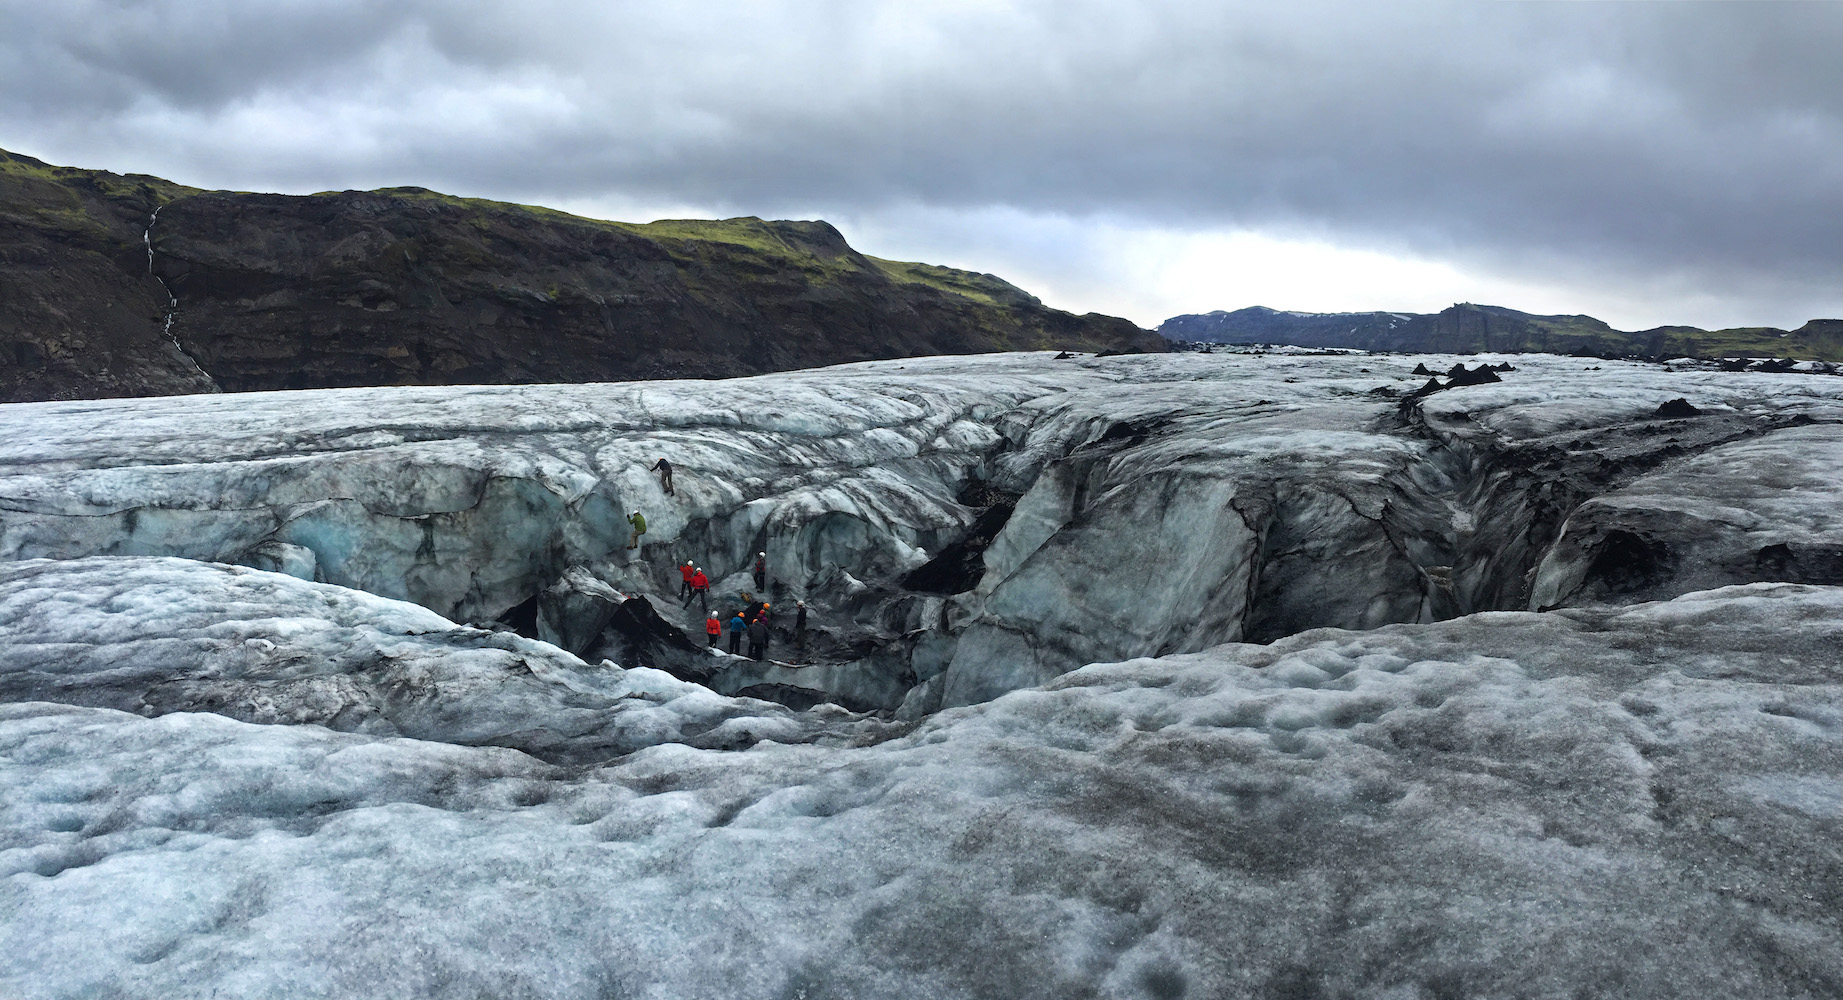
405 285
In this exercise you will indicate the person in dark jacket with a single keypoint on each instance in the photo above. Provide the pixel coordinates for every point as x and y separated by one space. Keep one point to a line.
761 571
800 624
758 639
664 468
736 628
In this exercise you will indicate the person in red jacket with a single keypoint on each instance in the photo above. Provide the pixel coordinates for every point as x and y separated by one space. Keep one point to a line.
700 589
684 590
713 628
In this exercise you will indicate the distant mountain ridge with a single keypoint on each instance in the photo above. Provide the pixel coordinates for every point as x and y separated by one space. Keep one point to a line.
1468 327
114 285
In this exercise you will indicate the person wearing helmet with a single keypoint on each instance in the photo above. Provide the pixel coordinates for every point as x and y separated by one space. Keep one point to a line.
700 589
800 624
664 468
713 627
761 571
684 589
737 625
758 639
638 521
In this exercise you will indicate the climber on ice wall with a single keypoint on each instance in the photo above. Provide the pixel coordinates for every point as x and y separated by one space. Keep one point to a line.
761 571
638 520
664 468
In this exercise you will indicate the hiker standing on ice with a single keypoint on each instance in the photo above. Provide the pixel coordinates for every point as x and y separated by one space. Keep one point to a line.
700 589
800 624
758 639
761 571
638 520
713 627
664 468
736 627
684 589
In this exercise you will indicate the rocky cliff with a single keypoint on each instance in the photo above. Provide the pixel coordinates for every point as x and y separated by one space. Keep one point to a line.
117 285
1467 328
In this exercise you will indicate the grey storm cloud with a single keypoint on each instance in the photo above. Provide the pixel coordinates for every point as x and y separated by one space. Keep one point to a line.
1626 140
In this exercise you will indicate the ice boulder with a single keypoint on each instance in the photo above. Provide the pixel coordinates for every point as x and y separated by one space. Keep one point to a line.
155 636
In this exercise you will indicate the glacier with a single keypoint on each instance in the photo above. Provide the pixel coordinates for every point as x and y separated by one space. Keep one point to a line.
1640 801
1265 674
963 527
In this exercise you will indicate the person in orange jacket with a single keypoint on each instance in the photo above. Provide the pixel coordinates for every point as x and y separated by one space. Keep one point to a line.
713 628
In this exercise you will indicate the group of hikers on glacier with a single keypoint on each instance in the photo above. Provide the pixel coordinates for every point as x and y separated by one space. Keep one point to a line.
752 620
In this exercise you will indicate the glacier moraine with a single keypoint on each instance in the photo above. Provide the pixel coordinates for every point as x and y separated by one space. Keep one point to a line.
1160 676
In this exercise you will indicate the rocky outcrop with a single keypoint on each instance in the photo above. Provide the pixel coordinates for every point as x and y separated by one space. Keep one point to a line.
237 291
81 312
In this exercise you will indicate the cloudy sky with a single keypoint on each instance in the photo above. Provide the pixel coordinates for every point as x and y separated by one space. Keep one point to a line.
1644 162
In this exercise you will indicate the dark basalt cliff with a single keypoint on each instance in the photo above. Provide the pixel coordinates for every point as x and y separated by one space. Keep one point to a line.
408 287
81 314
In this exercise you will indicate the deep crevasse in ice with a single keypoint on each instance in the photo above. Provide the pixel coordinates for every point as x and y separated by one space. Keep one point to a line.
1165 503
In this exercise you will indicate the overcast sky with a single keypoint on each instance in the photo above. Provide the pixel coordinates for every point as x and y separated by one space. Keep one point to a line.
1648 163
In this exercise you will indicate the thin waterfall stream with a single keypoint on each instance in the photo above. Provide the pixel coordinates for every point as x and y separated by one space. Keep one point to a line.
172 301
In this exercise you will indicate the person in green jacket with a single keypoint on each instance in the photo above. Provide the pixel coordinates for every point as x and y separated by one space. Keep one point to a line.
638 520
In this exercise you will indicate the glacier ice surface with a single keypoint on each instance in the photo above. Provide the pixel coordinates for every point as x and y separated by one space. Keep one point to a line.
1636 801
1166 504
251 746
